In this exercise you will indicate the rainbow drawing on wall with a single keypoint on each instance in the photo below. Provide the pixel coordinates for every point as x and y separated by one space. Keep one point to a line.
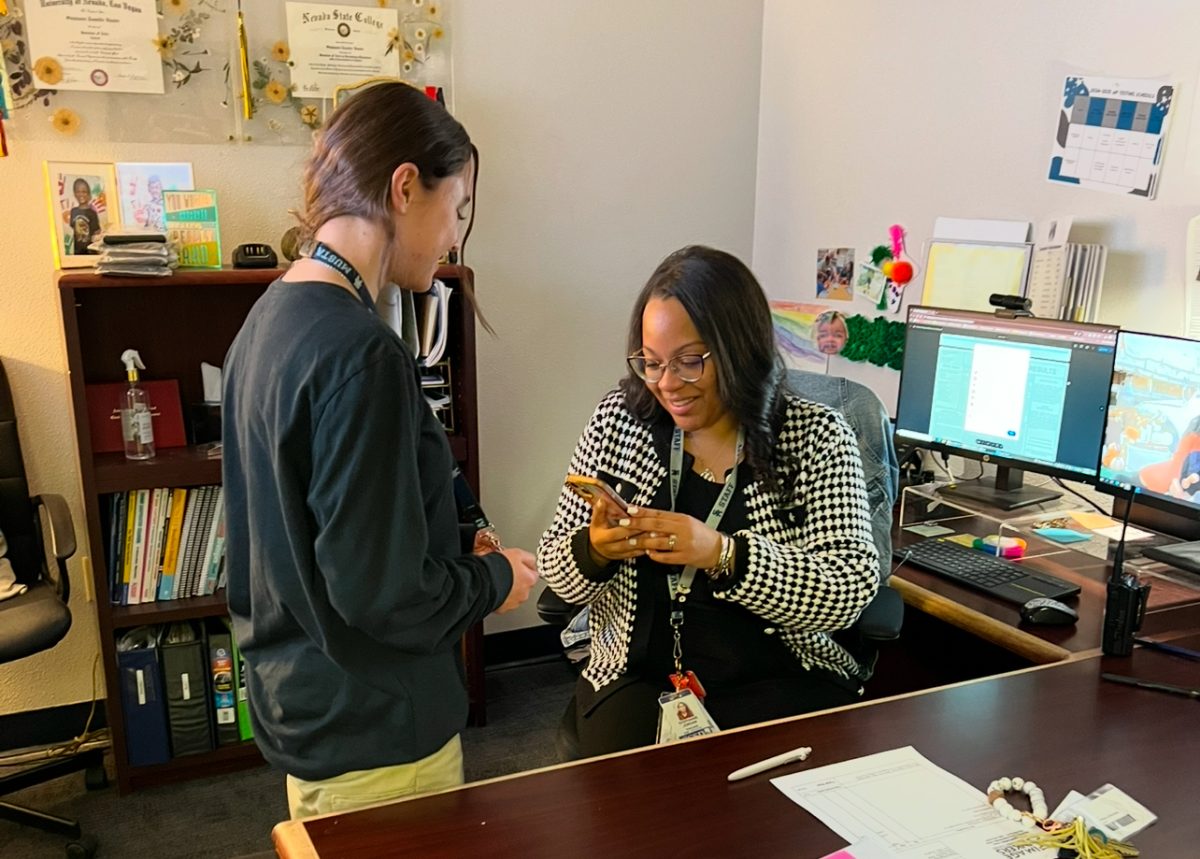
794 323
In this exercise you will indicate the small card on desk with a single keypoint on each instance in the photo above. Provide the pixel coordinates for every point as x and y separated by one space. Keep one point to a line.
929 530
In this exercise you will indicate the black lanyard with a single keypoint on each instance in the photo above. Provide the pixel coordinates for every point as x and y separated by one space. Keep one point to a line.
323 253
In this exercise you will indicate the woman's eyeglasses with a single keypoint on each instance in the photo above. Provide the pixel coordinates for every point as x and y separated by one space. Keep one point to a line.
687 368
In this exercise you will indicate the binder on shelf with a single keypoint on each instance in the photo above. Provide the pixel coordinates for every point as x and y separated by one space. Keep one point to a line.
223 682
245 728
142 699
185 679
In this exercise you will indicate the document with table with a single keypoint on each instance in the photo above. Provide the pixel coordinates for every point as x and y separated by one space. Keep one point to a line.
913 808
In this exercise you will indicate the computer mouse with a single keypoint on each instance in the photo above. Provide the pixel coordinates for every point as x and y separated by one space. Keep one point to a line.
1048 612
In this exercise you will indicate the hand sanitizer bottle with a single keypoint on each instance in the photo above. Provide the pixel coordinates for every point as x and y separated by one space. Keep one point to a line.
136 428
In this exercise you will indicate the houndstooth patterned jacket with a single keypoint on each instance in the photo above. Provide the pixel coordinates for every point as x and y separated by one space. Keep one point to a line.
806 565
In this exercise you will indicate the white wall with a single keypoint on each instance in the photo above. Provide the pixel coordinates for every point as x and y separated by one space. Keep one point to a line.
948 107
611 134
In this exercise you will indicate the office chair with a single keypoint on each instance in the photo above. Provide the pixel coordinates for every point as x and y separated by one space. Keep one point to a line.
881 620
39 618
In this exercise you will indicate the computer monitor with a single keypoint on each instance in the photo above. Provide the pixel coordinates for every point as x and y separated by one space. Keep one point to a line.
1020 392
1152 435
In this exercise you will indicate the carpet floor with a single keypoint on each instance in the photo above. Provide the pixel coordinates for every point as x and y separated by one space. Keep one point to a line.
232 815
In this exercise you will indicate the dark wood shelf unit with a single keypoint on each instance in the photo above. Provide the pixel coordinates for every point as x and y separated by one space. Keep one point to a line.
169 611
176 323
225 759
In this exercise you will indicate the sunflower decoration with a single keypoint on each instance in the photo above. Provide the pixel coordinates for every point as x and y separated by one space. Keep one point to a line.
434 11
275 92
280 52
437 32
176 6
394 42
165 45
65 121
48 70
310 116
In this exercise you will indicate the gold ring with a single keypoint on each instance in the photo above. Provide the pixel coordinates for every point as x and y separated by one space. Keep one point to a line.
671 544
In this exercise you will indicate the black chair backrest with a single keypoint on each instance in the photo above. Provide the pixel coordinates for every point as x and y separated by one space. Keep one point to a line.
17 521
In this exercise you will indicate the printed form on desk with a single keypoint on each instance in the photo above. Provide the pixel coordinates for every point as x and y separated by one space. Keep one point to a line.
911 807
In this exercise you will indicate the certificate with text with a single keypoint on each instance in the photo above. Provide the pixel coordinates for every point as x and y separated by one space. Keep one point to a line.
333 46
95 45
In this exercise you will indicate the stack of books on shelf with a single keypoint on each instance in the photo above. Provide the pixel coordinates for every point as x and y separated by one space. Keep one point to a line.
165 544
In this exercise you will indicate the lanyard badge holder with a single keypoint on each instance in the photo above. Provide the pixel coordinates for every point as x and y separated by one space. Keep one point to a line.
682 712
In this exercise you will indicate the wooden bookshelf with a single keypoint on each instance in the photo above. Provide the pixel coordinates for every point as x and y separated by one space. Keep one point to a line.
176 323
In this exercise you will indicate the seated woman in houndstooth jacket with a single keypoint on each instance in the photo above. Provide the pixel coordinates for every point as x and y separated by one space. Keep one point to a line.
727 475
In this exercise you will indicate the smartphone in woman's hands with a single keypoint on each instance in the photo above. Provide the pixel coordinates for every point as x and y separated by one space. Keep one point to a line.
592 488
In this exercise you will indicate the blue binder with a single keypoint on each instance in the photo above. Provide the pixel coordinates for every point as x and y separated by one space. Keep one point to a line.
142 699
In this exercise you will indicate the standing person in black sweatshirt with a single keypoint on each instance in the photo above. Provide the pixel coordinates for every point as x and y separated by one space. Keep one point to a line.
349 584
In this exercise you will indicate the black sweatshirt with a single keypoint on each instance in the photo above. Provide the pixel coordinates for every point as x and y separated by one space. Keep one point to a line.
348 585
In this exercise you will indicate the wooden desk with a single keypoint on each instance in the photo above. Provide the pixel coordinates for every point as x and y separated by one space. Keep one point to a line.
1058 724
999 622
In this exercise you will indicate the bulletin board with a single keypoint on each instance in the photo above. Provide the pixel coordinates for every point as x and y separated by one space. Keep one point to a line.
197 45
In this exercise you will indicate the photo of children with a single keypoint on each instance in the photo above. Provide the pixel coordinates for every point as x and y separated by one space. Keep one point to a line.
830 332
142 186
80 196
835 273
1152 438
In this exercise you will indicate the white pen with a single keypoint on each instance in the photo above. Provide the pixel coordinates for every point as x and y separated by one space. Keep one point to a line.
770 763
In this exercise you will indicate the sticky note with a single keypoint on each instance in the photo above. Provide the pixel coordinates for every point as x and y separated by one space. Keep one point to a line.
1091 520
1061 535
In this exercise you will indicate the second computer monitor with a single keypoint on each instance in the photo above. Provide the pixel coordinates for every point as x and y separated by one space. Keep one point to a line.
1024 393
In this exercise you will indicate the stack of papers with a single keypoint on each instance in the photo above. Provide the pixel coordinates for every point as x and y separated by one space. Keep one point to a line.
1065 282
899 802
144 253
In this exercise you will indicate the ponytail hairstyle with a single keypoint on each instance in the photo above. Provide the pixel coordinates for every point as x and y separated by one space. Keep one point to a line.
729 309
360 147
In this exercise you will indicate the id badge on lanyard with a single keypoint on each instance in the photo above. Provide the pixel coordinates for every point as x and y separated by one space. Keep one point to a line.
682 713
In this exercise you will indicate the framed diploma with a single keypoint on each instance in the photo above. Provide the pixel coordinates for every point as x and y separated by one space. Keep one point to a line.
335 45
95 48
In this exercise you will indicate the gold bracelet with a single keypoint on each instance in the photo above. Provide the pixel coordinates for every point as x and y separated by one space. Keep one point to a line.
724 566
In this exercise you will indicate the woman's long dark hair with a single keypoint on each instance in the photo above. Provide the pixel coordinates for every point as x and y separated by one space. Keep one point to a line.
728 308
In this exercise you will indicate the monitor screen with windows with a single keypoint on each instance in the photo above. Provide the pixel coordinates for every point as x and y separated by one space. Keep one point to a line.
1152 436
1021 392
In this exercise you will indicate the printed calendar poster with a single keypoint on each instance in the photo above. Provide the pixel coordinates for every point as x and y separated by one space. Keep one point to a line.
1111 133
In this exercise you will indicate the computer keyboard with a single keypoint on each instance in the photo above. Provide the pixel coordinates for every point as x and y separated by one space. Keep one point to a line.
987 573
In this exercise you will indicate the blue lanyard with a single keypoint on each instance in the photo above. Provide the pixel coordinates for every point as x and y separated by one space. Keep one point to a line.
323 253
681 583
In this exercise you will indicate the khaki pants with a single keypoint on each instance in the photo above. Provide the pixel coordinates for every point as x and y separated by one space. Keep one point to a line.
443 769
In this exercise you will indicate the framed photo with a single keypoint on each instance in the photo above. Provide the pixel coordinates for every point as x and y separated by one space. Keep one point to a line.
141 187
83 207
